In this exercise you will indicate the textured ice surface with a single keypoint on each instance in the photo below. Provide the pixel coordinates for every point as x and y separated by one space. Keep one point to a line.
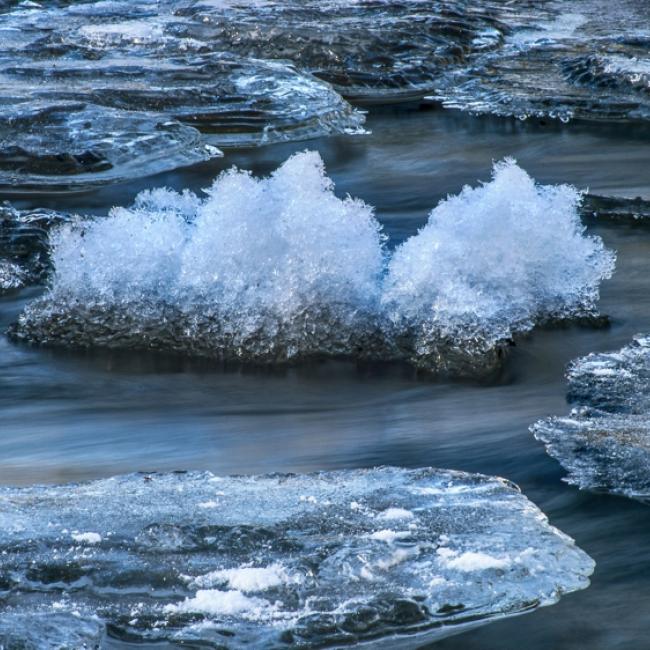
267 269
586 59
24 249
492 262
279 561
604 443
131 78
236 101
115 55
73 146
617 209
372 51
280 268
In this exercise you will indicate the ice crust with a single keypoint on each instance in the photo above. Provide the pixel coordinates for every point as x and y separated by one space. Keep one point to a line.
280 268
98 92
282 570
587 59
604 443
372 52
24 247
71 146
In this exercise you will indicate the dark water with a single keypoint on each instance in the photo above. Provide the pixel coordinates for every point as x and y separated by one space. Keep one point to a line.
66 416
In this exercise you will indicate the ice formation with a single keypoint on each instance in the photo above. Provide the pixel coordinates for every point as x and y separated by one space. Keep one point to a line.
266 269
280 268
62 145
492 262
252 73
24 249
586 60
270 567
604 443
102 92
372 52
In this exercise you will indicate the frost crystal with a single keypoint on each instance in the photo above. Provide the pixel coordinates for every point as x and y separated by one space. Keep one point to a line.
280 268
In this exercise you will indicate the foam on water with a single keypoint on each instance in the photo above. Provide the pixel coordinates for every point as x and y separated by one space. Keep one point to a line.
270 568
281 268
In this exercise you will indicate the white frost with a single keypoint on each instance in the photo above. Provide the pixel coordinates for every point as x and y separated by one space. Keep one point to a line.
396 513
87 538
247 579
215 602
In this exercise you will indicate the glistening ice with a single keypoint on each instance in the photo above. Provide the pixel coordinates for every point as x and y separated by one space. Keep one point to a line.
302 561
281 268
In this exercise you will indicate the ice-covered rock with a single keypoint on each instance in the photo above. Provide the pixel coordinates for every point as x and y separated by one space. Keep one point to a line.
280 268
282 560
604 443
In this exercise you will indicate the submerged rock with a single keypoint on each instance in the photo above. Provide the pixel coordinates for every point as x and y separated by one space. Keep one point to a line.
604 443
278 269
334 558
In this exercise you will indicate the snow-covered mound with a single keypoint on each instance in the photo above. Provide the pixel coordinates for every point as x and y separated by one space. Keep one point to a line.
280 268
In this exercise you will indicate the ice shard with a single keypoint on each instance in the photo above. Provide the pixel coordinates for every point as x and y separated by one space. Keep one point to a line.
604 443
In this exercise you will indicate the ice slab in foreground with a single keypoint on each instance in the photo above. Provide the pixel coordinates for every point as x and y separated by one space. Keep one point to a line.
604 443
328 559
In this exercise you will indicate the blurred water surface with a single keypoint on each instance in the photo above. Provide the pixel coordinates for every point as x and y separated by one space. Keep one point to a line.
66 415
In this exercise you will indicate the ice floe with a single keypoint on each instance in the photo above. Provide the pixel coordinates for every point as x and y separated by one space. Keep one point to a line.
604 443
268 568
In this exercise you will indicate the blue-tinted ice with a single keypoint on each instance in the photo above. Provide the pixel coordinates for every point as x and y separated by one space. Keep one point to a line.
587 59
280 269
100 92
335 558
604 443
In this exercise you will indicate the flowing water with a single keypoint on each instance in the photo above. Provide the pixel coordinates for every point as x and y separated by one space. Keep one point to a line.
81 415
341 316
